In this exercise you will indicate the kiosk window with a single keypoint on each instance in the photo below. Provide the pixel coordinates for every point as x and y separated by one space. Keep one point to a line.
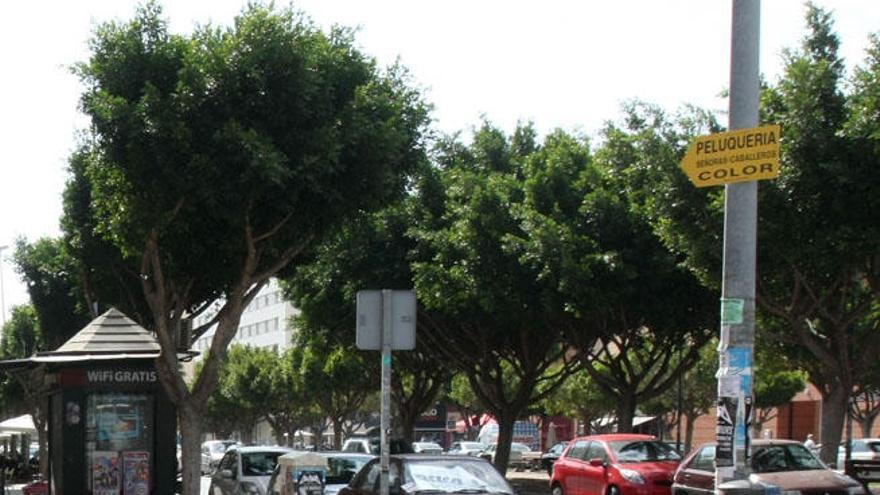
119 443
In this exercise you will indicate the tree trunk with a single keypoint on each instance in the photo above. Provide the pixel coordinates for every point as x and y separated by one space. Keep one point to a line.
866 425
688 432
190 426
626 411
834 409
505 437
337 433
43 438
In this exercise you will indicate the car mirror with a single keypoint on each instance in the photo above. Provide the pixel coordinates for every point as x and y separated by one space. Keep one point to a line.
597 462
226 473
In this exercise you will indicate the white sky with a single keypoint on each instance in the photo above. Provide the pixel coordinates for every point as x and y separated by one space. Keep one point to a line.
558 63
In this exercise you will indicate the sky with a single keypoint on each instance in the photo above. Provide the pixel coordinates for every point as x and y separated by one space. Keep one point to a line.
560 64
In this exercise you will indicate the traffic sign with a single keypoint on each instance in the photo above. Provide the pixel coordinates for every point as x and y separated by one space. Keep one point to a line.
736 156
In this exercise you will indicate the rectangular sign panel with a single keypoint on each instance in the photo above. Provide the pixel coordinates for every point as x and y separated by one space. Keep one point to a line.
737 156
370 319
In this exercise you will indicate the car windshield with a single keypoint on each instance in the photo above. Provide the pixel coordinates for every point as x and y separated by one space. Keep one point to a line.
453 476
520 447
643 451
875 446
259 463
789 457
340 470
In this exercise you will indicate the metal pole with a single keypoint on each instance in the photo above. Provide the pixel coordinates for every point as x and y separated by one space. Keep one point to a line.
2 290
736 348
386 392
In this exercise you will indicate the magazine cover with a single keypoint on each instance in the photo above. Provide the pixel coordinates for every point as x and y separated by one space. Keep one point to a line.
105 473
137 473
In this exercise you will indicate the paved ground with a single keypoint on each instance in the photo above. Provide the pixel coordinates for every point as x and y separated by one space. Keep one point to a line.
529 482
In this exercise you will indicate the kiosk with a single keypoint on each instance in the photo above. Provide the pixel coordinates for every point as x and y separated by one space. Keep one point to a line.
112 428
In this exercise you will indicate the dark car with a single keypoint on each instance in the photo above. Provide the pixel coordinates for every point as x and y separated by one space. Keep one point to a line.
614 464
549 457
410 474
786 464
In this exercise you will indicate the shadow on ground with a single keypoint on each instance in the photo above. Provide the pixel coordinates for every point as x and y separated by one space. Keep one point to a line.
529 482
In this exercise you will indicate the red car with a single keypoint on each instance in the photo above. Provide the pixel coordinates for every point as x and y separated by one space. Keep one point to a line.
615 464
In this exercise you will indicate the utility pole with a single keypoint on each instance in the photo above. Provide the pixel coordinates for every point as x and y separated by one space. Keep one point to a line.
737 342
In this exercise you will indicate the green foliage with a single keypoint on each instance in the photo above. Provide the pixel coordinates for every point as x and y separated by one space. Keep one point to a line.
22 334
580 397
50 272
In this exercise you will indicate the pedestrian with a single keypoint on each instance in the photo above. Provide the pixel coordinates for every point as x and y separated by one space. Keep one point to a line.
811 444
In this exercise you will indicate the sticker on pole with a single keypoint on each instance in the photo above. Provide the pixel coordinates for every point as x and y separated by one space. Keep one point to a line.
724 429
732 311
742 155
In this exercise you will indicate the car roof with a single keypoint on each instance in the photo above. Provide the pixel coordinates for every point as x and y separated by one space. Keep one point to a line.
347 455
761 442
614 437
260 448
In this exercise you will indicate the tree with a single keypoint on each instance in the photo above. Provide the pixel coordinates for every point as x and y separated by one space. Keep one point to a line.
334 377
484 304
817 238
216 158
580 397
49 271
26 387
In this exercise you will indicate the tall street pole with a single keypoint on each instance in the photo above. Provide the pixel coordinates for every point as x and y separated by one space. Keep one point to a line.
736 347
2 289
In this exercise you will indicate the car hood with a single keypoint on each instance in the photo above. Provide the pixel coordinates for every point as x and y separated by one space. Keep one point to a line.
799 480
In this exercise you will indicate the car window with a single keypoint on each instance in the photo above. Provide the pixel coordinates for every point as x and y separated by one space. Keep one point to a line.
643 451
340 470
789 457
705 459
228 462
258 463
874 446
369 478
578 450
596 450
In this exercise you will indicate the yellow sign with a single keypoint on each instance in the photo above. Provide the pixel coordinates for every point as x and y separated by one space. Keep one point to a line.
736 156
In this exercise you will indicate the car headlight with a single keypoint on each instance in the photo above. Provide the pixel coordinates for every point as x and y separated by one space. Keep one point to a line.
632 476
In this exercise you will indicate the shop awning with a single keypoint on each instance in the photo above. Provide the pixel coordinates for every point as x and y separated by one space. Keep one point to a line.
19 424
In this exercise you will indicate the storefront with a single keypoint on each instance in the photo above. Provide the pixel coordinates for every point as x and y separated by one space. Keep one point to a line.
112 428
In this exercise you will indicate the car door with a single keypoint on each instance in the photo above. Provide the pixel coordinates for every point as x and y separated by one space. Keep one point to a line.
698 475
595 461
367 480
226 485
569 469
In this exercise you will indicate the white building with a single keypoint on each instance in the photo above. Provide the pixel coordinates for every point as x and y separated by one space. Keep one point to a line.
264 323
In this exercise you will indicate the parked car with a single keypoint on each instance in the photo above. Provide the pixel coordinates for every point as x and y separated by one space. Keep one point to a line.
549 457
517 451
372 445
427 448
466 448
341 469
863 449
245 470
783 463
212 452
411 474
614 464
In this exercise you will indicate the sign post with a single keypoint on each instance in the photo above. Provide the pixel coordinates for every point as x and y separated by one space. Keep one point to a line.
386 321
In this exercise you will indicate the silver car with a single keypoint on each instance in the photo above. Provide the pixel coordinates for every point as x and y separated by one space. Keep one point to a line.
245 470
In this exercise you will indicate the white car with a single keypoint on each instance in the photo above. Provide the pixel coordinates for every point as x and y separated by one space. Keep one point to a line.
466 448
427 448
212 452
516 454
245 470
863 449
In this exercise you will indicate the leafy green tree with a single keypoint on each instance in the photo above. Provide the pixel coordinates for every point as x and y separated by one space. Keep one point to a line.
216 158
248 383
49 271
818 237
289 407
333 376
490 310
580 397
24 390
